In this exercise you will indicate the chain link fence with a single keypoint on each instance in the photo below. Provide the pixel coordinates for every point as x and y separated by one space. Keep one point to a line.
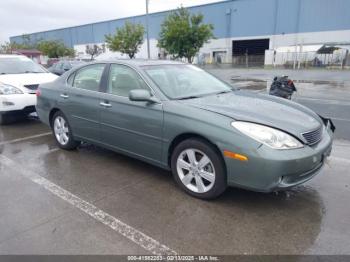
330 59
222 59
298 60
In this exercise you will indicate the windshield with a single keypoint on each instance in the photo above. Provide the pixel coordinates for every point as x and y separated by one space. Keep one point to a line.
185 81
19 65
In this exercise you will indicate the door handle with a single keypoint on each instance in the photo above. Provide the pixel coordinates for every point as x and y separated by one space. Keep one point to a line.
64 96
105 104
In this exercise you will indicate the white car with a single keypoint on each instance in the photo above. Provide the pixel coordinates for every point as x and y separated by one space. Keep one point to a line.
19 80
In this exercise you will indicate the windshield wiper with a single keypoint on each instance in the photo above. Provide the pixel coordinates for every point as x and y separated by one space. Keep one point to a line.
192 97
32 72
187 97
223 92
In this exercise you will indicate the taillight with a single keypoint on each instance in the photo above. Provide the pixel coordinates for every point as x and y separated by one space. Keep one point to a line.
38 92
290 82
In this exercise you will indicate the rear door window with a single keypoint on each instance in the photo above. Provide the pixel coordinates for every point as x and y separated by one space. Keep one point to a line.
89 77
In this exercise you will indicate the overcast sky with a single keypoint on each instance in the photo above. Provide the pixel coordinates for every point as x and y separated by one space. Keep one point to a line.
22 16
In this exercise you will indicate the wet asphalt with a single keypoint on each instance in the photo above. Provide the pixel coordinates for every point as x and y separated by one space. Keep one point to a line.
310 219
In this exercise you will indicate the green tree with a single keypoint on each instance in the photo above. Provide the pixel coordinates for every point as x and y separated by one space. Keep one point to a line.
26 43
55 49
183 34
127 39
93 50
6 48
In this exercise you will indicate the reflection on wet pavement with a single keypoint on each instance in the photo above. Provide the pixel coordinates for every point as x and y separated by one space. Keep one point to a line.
298 221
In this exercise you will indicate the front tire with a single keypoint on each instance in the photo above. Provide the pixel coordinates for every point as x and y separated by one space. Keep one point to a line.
63 132
198 169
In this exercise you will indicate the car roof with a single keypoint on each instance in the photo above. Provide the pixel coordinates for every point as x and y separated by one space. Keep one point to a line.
142 62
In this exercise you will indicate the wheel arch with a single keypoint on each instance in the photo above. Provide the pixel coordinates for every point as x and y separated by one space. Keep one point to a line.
184 136
52 113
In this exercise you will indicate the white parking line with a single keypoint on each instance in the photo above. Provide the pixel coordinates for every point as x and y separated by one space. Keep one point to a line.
24 138
136 236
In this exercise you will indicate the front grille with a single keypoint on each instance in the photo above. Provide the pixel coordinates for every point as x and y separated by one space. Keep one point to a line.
32 87
313 137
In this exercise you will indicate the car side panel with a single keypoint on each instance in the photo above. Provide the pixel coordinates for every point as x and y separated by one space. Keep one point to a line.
182 119
82 108
134 127
48 100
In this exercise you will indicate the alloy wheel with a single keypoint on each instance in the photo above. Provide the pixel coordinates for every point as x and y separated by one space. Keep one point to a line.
61 130
195 170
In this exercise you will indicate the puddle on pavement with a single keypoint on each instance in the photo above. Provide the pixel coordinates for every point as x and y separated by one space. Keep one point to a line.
253 83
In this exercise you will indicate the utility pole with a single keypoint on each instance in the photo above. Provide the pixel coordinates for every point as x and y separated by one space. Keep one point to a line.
147 30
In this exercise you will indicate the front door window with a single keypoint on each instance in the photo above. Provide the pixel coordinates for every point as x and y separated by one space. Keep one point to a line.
123 79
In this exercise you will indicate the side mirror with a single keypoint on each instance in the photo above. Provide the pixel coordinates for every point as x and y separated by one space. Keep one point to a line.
142 95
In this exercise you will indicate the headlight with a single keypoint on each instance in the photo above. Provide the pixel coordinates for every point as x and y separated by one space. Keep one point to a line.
269 136
9 90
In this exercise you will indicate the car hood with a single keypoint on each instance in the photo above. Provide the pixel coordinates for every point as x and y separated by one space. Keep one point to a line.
267 110
19 80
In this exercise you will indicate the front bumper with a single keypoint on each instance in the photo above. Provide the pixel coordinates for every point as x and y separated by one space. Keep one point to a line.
270 170
17 103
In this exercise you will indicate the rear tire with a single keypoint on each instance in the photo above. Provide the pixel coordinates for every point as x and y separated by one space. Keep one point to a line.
63 132
198 169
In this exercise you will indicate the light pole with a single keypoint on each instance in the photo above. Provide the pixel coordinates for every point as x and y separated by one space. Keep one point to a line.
147 30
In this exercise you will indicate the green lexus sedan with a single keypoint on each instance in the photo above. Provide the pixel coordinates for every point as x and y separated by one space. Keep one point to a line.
183 119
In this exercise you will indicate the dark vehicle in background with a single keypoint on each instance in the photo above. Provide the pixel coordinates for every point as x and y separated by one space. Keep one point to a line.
181 118
61 67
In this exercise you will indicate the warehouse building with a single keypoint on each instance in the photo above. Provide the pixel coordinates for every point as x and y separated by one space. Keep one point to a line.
246 31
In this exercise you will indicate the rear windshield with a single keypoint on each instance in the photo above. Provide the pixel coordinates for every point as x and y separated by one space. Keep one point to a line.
19 65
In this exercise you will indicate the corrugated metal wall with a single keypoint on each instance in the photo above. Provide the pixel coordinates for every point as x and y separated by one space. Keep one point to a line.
233 18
